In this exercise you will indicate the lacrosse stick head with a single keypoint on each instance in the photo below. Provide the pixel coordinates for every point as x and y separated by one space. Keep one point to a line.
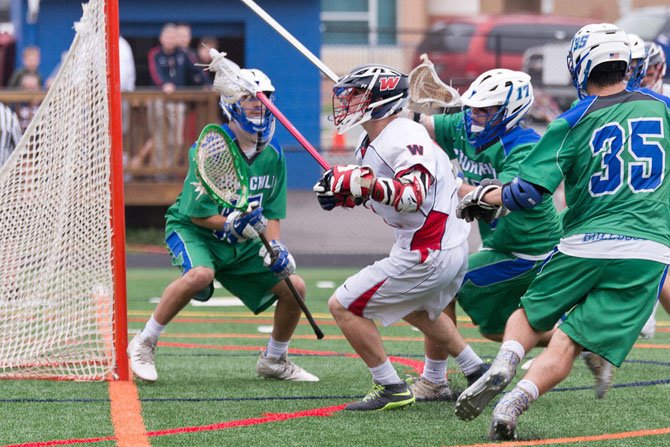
427 93
502 98
368 92
220 169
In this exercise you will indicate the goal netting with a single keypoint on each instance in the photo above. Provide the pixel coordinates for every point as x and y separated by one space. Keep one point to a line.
56 277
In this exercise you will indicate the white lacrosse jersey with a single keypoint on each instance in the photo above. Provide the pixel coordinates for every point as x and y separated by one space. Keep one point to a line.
402 145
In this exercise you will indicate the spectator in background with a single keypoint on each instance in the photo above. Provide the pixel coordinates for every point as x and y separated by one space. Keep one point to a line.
205 44
31 61
170 67
127 80
25 111
184 37
10 132
126 66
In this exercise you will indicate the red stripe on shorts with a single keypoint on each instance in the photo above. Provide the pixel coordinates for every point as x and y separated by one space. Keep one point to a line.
429 236
359 303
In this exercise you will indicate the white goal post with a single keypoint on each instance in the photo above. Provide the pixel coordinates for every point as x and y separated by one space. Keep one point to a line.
62 256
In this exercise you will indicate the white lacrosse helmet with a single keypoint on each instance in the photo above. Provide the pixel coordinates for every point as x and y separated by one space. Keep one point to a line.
593 45
368 92
638 61
655 67
263 124
510 91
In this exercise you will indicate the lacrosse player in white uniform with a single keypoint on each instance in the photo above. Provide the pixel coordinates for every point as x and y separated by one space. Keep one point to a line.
405 178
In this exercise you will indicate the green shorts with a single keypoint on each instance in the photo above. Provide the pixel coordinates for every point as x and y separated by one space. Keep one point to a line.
493 287
607 301
237 267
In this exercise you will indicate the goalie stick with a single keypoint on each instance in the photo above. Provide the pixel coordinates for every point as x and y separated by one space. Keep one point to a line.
232 87
219 168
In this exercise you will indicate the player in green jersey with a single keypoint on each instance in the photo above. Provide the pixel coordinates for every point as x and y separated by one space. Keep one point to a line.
489 142
612 259
208 242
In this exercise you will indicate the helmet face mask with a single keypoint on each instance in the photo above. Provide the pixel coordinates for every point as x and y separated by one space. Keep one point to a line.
495 102
249 113
653 78
638 61
368 92
591 46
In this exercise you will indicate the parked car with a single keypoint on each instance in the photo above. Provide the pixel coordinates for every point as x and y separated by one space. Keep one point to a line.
463 47
651 23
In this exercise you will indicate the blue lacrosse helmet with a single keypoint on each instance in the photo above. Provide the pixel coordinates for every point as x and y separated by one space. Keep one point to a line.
262 125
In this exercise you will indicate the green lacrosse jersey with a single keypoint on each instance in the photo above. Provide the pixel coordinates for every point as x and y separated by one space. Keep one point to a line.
267 185
614 154
532 232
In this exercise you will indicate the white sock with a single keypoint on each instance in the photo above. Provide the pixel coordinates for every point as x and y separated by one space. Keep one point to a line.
515 347
385 374
152 329
468 360
530 388
276 349
435 370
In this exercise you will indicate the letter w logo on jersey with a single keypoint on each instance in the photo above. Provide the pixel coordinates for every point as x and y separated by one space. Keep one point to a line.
388 83
415 149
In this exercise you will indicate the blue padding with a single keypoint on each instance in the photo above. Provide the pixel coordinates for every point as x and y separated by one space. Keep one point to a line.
498 272
178 250
520 194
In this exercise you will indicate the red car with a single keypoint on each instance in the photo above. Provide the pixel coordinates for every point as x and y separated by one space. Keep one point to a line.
464 47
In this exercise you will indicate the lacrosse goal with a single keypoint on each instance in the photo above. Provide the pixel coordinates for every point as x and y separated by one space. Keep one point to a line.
62 268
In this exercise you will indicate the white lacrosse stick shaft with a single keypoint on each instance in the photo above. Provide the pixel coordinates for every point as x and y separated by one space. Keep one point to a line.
291 39
233 87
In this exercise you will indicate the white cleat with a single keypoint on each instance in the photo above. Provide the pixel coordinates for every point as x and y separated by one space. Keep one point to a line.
474 399
649 328
425 390
283 369
142 353
602 370
506 415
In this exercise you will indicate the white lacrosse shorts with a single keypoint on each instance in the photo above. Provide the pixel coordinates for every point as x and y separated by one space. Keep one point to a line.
394 287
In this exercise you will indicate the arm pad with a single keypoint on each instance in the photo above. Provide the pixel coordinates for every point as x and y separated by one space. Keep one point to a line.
520 194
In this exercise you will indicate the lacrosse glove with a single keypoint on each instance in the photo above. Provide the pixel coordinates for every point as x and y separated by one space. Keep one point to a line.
242 226
472 207
327 198
280 261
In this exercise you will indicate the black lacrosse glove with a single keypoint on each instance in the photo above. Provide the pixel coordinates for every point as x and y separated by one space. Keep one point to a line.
472 207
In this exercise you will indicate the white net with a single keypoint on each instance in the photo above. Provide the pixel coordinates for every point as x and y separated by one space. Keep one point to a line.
56 301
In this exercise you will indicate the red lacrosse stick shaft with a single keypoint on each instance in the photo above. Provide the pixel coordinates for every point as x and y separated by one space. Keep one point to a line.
291 128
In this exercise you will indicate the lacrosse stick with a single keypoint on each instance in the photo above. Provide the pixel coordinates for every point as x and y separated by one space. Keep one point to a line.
219 168
233 86
292 40
427 93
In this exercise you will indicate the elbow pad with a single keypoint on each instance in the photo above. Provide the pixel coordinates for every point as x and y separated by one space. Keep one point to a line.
405 193
520 194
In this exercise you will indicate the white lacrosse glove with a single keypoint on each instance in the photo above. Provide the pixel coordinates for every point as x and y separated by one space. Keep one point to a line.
473 207
280 261
242 226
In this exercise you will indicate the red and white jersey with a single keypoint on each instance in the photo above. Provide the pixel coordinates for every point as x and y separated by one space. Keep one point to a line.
401 145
